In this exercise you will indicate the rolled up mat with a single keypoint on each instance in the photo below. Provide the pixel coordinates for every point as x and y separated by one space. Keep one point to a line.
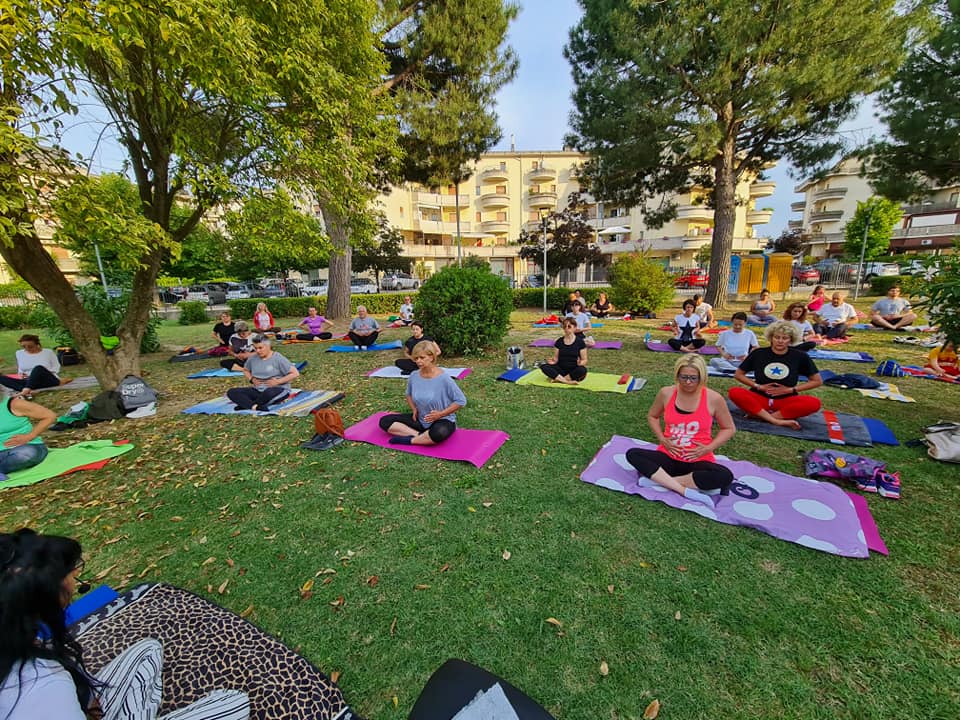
465 445
392 345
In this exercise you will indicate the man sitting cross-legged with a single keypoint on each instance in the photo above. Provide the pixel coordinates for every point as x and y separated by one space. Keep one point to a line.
269 374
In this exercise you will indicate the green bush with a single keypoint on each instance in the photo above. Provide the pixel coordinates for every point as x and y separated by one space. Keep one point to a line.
939 293
192 312
107 313
639 285
533 298
377 304
464 309
15 317
881 284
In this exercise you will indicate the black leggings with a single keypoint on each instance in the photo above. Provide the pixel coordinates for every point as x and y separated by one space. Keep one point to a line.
406 366
832 333
246 397
229 363
706 475
310 336
577 372
677 343
38 379
363 340
438 431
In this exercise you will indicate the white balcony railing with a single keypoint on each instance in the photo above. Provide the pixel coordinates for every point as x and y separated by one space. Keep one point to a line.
494 200
762 188
439 200
440 227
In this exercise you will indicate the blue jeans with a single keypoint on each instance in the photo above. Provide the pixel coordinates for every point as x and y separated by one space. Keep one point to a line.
21 457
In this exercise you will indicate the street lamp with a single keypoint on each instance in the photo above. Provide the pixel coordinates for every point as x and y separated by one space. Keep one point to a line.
863 250
543 220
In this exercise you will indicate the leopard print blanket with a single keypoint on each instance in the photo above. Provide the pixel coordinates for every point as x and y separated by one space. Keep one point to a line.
207 647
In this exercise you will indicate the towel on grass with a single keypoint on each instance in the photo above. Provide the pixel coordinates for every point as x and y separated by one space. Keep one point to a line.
465 445
392 371
824 426
664 347
863 357
89 455
599 345
298 403
223 372
392 345
815 514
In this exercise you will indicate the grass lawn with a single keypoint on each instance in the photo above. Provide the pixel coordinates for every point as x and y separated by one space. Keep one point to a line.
407 554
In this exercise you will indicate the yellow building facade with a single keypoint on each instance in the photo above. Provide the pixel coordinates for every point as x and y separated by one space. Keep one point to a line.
511 191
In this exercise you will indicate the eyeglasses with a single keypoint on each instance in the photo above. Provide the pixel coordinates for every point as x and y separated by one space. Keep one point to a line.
688 378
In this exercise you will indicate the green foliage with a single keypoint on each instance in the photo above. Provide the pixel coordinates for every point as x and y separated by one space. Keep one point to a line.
882 283
790 241
203 253
921 110
533 297
107 313
465 310
939 290
192 312
570 240
16 317
382 253
475 261
883 214
639 284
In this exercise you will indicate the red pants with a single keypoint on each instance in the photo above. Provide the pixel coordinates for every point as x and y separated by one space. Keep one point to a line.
949 370
790 407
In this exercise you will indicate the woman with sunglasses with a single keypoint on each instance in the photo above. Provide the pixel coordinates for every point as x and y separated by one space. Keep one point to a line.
42 674
684 460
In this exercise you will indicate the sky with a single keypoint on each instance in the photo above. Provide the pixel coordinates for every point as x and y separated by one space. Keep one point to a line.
534 109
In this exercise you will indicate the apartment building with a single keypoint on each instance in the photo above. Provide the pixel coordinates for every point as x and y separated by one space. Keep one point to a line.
511 191
830 202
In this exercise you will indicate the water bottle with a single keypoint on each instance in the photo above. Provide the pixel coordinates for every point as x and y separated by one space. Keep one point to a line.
646 338
514 358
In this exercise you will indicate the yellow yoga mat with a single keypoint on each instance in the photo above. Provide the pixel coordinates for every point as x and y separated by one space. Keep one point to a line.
595 381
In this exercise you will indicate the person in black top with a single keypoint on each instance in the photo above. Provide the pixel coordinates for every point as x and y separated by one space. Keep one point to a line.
601 307
406 363
569 363
223 330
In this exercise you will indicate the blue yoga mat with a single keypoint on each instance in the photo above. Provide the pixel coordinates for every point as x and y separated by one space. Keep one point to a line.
223 372
392 345
298 404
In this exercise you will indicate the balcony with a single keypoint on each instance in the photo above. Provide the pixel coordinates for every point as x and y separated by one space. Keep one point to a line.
494 200
542 174
928 207
495 226
494 174
426 199
609 222
469 248
834 193
826 216
676 243
795 224
542 199
798 206
440 227
759 217
762 188
930 230
695 212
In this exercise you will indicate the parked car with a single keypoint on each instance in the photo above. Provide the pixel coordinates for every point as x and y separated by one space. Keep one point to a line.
316 289
170 296
532 281
362 286
834 272
274 291
210 293
238 291
919 267
693 277
804 275
880 269
399 281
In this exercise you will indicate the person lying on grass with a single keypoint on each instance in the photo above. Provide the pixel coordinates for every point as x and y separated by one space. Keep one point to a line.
270 375
773 393
569 363
684 460
434 399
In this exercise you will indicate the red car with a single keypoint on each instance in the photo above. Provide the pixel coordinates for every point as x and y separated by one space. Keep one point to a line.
694 277
805 275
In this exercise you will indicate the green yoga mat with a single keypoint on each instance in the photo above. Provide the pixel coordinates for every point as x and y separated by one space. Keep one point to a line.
598 382
61 460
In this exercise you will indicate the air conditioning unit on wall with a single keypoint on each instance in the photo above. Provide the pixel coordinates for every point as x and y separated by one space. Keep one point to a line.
926 241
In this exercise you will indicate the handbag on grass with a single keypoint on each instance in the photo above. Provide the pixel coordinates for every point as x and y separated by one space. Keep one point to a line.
943 441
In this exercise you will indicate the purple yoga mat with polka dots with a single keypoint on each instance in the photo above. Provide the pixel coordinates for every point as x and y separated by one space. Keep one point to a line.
808 512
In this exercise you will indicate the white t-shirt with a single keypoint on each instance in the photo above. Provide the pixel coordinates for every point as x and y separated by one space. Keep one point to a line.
702 309
42 689
832 315
406 311
804 328
737 344
45 358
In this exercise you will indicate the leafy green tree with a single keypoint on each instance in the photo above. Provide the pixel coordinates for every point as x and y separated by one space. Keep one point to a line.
883 215
203 255
206 96
383 253
921 109
789 241
640 285
570 240
270 236
939 291
445 62
671 94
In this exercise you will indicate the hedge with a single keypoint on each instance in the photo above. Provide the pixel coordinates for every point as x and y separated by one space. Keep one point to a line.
21 317
192 312
556 297
881 284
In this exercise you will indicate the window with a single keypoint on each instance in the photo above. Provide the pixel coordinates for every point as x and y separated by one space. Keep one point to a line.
533 215
451 189
502 216
401 212
553 188
501 190
478 191
503 166
451 217
534 189
953 198
477 217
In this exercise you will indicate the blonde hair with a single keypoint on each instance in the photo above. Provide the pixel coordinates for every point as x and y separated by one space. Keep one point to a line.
691 360
783 327
426 348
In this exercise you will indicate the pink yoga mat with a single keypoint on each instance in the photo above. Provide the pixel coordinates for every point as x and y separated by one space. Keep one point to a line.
472 446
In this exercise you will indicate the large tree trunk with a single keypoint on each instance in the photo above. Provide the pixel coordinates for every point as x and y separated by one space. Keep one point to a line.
724 217
338 288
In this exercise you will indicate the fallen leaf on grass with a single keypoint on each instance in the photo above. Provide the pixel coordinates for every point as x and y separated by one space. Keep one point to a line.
553 621
421 587
307 586
676 615
334 676
644 564
230 562
653 709
208 561
373 580
176 518
610 589
487 504
395 701
338 603
325 571
506 555
681 568
446 566
223 586
148 568
248 612
604 668
472 509
103 573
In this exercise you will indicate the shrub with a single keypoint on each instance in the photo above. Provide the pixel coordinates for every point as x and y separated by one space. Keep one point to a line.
15 317
192 312
107 313
464 309
939 292
881 284
639 284
533 298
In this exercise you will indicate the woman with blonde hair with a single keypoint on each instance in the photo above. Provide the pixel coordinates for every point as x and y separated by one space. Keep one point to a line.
773 393
684 461
434 398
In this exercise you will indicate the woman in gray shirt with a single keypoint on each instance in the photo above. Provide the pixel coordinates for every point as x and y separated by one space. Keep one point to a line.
434 399
269 374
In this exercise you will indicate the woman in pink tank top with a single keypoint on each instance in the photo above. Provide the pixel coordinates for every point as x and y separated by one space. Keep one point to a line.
684 460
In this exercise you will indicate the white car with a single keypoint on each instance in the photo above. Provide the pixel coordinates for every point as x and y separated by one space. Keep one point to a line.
319 288
362 286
